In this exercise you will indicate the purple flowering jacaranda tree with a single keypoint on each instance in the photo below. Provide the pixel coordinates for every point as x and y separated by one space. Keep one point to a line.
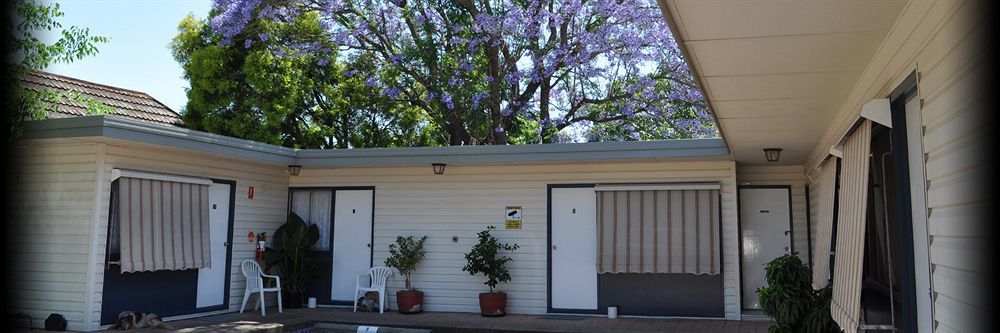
486 69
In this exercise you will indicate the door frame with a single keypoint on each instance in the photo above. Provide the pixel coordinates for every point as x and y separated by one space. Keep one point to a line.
229 248
548 251
906 266
333 208
739 226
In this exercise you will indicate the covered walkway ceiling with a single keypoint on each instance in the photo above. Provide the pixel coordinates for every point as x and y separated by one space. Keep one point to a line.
775 72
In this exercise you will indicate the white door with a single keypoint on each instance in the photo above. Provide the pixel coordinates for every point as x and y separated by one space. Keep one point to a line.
765 228
212 279
352 236
574 248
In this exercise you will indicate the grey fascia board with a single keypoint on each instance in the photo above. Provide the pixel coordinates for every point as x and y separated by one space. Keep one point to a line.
137 131
132 130
468 155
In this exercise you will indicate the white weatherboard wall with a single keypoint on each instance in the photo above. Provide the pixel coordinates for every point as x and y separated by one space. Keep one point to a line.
942 41
464 200
262 214
53 205
791 175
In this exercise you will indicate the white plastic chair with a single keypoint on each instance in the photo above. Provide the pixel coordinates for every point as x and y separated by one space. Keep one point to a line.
376 275
255 284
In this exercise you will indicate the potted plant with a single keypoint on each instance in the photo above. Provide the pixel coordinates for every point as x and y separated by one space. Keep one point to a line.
482 258
790 300
404 257
292 254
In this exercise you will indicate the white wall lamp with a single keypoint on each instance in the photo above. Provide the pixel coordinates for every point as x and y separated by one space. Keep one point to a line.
772 154
294 169
438 168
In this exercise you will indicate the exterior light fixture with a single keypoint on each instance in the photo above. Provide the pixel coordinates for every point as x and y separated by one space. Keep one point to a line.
438 168
294 169
772 154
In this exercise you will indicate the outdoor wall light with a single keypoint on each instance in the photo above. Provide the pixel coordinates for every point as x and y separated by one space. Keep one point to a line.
772 154
438 168
294 169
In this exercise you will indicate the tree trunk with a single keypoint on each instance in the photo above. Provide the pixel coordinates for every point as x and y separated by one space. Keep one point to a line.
543 110
493 68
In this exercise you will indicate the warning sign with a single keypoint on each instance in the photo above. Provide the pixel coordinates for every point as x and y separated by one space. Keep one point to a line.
513 217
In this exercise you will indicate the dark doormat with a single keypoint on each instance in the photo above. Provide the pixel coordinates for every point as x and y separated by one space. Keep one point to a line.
561 317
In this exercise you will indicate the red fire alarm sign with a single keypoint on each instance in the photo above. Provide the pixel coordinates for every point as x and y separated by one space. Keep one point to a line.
250 193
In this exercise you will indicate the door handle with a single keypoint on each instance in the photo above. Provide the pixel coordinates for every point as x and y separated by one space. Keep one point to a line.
786 249
226 244
553 247
368 245
787 232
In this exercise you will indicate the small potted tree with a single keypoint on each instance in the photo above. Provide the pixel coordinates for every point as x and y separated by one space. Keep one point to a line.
404 257
483 259
292 254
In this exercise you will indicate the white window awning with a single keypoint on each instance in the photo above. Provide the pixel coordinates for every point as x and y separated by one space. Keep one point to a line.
119 173
657 187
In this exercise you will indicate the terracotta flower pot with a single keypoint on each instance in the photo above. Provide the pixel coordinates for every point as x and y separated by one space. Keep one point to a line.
410 301
493 304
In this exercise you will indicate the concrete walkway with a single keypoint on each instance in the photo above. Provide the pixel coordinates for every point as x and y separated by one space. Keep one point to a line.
298 320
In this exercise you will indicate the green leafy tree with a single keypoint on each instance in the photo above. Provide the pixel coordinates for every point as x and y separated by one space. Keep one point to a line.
24 21
261 91
484 259
405 255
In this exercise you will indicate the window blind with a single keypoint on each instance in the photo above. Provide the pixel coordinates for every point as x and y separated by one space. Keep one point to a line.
658 231
824 224
163 225
851 212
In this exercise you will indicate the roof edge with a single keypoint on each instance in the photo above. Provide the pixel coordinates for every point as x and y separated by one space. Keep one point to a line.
137 131
134 130
514 154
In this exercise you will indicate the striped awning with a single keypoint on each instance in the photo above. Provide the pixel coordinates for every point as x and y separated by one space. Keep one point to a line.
163 224
824 224
658 231
851 219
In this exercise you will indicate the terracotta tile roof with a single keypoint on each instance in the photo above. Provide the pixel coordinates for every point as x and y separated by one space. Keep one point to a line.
127 103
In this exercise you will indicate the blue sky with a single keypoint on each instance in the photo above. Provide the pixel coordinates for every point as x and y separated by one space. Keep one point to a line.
138 55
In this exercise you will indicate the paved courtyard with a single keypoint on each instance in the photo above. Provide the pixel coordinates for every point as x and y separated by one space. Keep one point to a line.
297 320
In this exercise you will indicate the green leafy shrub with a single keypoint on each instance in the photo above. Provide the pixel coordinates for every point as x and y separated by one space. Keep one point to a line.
791 301
482 258
405 255
292 253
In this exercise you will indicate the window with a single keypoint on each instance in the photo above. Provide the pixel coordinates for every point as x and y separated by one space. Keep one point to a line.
158 222
314 206
658 231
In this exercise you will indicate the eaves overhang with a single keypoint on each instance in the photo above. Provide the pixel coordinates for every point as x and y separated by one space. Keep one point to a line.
514 154
136 131
116 128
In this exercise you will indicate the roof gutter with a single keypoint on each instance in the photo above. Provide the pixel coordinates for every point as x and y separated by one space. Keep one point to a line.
138 131
143 132
514 154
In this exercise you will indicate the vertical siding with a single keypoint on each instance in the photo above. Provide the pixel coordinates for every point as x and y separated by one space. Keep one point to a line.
463 201
262 214
53 205
943 41
791 175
